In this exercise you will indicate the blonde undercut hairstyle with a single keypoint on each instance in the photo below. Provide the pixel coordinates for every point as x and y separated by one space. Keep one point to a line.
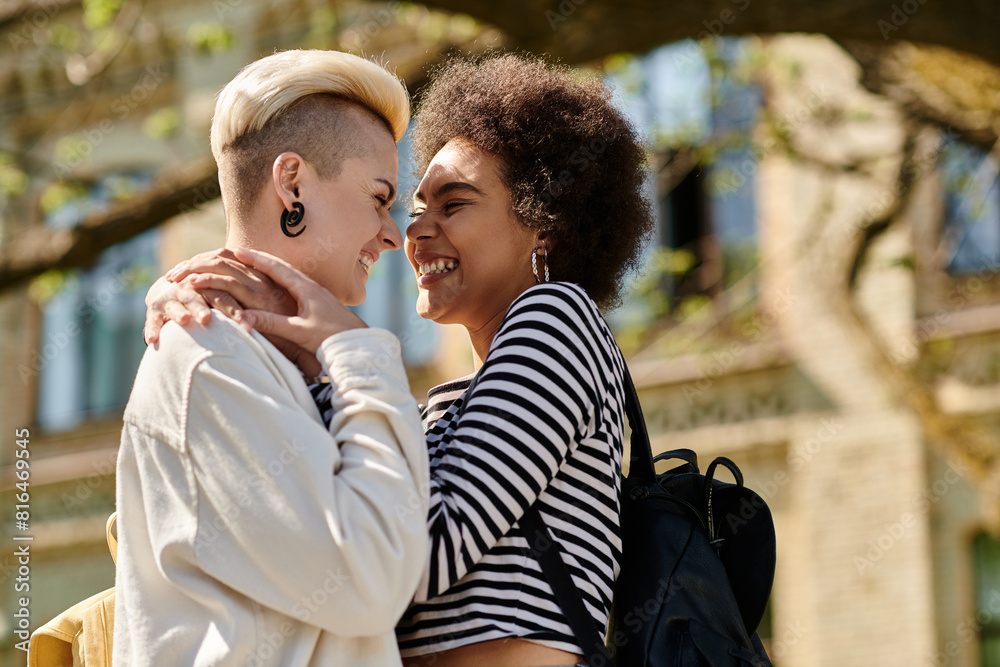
301 101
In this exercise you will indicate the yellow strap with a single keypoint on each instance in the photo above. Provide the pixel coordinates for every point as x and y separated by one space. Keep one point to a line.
112 530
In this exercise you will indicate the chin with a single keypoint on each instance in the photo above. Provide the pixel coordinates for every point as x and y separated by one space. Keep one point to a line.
353 295
356 299
424 308
440 314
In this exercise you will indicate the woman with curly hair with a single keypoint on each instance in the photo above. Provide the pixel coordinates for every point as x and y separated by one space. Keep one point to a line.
529 214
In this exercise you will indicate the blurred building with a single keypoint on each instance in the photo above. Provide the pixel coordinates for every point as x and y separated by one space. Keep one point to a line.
735 342
884 553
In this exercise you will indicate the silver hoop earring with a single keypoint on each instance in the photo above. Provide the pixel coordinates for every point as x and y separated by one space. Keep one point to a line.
545 262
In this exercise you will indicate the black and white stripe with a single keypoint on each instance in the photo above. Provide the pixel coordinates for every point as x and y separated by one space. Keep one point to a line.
322 393
544 421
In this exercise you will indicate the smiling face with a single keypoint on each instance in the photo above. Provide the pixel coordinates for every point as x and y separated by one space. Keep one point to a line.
470 253
346 224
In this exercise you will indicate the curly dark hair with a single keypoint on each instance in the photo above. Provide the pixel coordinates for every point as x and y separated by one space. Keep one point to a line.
572 161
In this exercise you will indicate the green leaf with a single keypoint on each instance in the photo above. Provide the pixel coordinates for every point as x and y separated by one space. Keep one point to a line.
49 284
66 38
162 123
13 181
208 37
100 13
60 194
907 262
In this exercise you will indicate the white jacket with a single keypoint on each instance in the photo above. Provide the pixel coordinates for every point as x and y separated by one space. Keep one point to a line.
248 533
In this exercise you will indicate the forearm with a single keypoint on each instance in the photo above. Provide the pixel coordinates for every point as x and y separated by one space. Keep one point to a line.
377 427
374 414
301 511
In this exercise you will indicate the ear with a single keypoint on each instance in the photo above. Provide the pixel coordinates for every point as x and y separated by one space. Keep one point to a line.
286 176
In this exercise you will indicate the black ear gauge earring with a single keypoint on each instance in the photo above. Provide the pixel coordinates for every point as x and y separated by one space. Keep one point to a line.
545 263
292 219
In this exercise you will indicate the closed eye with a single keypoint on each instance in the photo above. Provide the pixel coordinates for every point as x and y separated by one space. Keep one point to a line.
387 199
446 208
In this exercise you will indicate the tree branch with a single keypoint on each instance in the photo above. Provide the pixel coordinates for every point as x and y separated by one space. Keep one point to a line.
40 249
12 11
672 167
922 82
956 437
867 234
578 30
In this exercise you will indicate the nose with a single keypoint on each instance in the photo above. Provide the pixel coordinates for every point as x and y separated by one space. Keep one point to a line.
421 228
389 234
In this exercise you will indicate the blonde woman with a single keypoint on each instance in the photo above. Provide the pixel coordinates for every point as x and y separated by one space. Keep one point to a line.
250 533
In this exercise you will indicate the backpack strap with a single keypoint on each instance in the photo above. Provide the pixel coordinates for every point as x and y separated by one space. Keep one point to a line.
640 468
545 549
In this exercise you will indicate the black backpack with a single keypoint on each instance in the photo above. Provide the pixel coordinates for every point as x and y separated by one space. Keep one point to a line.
698 560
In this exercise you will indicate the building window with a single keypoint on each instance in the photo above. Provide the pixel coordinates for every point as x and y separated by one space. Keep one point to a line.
92 320
686 240
986 563
699 117
972 208
733 182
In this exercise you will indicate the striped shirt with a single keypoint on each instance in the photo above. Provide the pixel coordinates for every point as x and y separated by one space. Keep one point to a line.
543 421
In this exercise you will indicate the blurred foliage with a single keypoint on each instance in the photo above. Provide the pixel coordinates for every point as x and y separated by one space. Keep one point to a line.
208 37
123 186
66 37
463 27
139 276
324 27
976 90
740 65
71 148
740 259
100 13
13 180
627 70
616 63
725 180
664 265
694 308
162 123
433 28
49 284
108 39
907 262
60 194
685 134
